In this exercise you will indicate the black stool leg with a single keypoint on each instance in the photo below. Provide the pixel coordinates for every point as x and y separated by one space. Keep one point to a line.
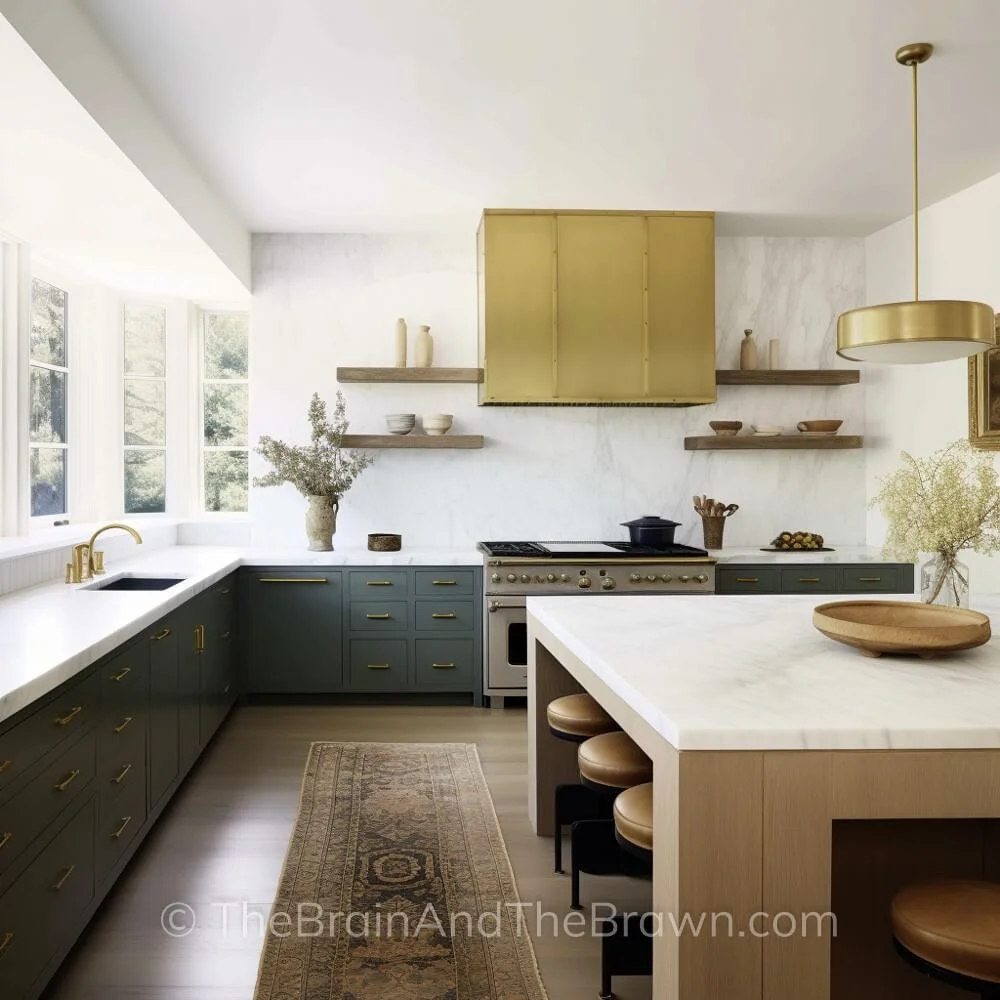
573 803
596 852
626 950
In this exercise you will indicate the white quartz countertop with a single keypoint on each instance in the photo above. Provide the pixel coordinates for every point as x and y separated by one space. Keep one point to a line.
840 554
752 673
48 634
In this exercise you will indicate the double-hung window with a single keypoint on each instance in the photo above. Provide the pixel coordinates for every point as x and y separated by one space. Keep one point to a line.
48 444
145 417
225 391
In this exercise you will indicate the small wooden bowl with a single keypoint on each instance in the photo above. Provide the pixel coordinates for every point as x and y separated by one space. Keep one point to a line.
877 627
819 426
385 543
726 428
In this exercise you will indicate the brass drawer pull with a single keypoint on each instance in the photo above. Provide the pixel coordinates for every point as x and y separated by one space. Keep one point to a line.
809 579
747 579
67 781
869 579
126 722
381 618
443 614
125 822
5 764
5 839
61 881
199 638
8 940
443 666
225 590
162 634
69 717
378 666
120 777
378 583
444 583
121 675
291 579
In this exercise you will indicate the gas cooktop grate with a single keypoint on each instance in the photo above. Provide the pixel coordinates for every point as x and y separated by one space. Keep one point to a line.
590 549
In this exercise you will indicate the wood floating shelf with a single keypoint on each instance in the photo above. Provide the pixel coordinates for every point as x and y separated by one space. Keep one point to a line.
763 442
473 375
413 441
789 376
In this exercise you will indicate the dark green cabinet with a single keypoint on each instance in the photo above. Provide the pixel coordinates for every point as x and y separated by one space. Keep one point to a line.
292 633
814 578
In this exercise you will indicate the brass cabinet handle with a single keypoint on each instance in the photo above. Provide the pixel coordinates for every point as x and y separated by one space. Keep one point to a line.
121 675
67 781
809 579
443 614
747 579
5 764
162 634
291 579
869 579
224 590
8 940
120 777
382 617
199 638
444 583
378 666
378 583
5 840
443 666
69 717
126 722
61 881
225 635
125 822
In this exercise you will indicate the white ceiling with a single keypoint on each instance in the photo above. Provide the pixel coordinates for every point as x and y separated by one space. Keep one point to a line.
788 115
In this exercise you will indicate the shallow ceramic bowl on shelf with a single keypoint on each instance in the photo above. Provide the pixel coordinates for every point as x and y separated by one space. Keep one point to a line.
400 423
877 627
819 428
437 423
764 430
726 428
384 542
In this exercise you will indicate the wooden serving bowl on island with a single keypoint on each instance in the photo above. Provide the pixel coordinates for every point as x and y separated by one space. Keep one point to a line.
902 627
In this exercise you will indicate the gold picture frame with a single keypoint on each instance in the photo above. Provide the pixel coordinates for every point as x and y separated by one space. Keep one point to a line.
984 396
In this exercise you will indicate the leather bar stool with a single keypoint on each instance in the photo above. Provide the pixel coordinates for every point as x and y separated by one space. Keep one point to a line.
626 945
609 764
949 929
576 718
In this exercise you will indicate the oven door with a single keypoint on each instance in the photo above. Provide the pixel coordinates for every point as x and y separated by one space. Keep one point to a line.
507 643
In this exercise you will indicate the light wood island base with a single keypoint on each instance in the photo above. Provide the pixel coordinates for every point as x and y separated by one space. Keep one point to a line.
768 842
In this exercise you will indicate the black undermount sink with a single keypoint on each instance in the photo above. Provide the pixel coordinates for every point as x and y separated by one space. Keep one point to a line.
138 583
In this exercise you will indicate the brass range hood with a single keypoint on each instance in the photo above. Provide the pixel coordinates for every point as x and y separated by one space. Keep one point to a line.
921 331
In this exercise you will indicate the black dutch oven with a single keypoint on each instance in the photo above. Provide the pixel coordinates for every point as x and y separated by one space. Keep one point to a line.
652 532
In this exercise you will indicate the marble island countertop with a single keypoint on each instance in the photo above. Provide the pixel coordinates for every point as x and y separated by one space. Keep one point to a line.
49 633
752 673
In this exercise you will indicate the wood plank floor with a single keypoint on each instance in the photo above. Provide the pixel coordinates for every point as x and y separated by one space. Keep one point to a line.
220 846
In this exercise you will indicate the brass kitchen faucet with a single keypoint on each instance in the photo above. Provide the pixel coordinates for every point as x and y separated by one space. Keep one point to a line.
86 563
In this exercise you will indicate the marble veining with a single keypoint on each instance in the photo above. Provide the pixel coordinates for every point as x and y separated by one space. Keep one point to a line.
752 673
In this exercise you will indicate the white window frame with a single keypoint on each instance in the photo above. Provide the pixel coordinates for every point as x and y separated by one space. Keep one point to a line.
202 449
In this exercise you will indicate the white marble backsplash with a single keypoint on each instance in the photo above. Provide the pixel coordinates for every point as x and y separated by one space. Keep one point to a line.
323 301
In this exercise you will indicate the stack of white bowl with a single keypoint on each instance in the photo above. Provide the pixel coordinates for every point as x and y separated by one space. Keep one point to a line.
437 423
400 423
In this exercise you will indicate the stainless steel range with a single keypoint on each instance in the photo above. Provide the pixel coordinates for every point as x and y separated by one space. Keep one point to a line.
516 570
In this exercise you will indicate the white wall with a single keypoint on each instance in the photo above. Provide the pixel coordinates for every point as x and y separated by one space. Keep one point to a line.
921 408
324 301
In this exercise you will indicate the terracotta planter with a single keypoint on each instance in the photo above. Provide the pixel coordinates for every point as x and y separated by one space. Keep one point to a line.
321 523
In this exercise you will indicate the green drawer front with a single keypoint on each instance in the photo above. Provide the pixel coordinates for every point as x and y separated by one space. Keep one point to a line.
877 579
36 917
116 775
125 679
64 717
807 579
377 665
118 821
444 662
39 803
445 616
374 585
371 616
445 582
747 580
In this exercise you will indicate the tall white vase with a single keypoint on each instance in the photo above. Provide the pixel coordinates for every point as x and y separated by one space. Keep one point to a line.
424 349
400 343
321 523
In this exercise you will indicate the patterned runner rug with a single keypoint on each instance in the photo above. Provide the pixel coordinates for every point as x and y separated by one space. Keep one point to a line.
397 884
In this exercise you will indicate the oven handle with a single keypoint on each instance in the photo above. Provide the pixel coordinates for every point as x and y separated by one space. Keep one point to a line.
500 606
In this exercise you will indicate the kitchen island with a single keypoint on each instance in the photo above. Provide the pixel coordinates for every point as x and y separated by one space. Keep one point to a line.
793 778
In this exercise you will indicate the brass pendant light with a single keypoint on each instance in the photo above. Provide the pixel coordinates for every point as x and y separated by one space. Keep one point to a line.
915 332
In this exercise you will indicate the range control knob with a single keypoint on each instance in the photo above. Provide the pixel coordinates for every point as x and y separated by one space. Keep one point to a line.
651 577
551 578
539 578
607 583
666 577
511 578
495 578
584 583
684 578
701 578
525 578
564 578
634 577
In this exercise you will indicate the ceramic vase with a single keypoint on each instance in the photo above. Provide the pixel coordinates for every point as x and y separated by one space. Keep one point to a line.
945 581
748 352
400 344
321 523
424 349
773 354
